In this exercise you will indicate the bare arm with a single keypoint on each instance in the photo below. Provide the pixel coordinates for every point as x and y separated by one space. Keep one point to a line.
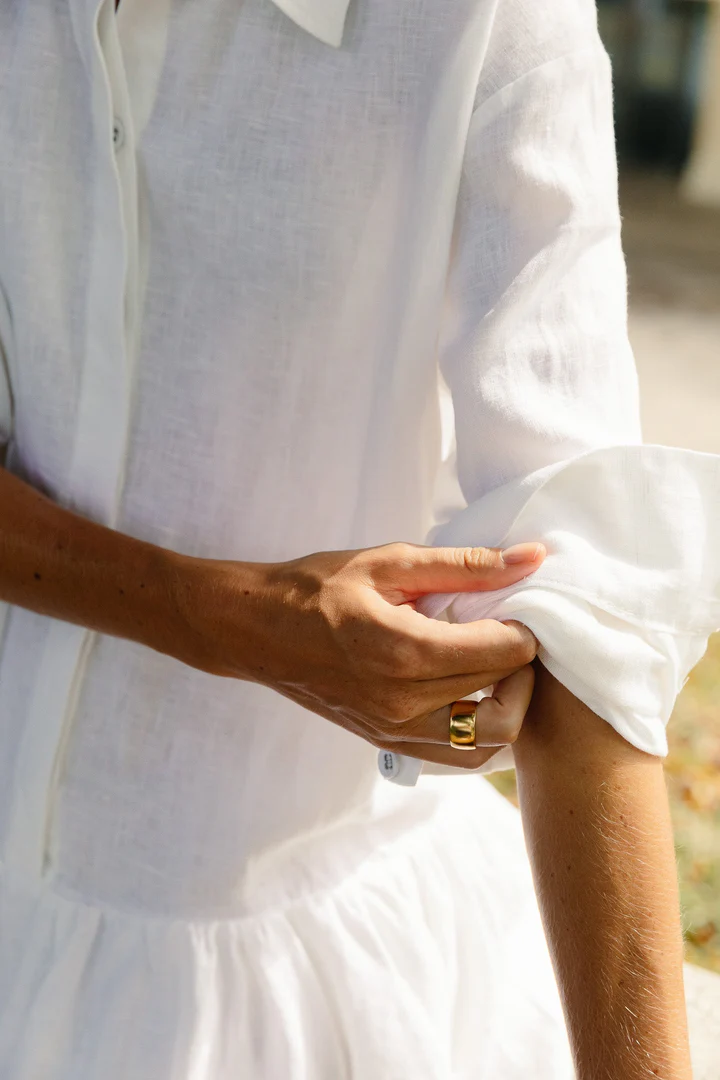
596 819
63 565
334 631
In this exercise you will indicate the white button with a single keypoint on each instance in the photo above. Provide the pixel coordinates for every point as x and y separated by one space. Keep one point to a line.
388 764
118 133
399 768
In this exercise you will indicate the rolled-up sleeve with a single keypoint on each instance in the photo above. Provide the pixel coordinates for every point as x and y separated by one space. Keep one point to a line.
536 355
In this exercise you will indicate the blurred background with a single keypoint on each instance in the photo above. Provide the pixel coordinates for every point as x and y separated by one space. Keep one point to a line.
666 69
666 63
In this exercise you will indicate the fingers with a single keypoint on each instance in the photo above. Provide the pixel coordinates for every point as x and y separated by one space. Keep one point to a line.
440 649
433 694
403 572
485 645
498 722
500 717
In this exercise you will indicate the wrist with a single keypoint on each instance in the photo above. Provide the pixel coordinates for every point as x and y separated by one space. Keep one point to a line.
209 604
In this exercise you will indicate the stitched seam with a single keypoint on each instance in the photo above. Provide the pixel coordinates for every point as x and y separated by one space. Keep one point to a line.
595 47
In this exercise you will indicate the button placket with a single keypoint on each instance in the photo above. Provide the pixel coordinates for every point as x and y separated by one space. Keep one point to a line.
103 415
102 423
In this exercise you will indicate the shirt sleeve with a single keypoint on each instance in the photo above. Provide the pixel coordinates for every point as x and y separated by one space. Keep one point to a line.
536 355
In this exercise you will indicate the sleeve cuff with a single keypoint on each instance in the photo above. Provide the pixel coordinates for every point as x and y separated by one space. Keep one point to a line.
630 590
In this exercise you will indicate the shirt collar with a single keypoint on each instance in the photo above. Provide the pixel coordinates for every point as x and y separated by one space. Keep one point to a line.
324 19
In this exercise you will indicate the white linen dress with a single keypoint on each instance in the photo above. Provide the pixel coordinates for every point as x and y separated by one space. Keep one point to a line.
238 242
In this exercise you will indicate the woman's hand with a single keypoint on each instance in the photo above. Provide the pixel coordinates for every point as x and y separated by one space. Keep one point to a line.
338 633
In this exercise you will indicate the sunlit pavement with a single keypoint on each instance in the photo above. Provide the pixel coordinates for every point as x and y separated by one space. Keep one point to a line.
673 254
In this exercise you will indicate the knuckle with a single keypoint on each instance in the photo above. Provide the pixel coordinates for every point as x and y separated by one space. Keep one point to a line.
385 715
406 663
477 558
402 658
523 649
388 561
382 664
529 650
414 725
525 652
400 553
400 712
513 728
524 646
390 665
397 709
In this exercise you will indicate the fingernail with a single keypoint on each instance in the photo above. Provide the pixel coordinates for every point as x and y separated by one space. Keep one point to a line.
522 553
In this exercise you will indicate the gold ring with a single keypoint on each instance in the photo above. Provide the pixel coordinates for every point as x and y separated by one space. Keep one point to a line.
462 724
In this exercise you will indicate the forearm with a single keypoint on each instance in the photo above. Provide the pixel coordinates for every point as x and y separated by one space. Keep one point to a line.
60 564
597 824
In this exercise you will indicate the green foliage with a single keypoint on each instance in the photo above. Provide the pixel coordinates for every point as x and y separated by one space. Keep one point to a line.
693 776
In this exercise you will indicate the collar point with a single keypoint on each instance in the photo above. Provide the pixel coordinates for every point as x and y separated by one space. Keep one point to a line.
324 19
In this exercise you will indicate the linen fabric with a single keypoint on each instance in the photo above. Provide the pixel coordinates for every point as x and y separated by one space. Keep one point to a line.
625 601
237 246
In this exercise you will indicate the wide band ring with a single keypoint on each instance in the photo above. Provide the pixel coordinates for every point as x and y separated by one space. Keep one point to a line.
463 715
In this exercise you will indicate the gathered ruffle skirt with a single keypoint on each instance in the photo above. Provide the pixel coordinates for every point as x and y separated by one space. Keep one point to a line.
414 955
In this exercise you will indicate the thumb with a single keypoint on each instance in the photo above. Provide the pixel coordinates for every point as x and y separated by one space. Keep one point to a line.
422 569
